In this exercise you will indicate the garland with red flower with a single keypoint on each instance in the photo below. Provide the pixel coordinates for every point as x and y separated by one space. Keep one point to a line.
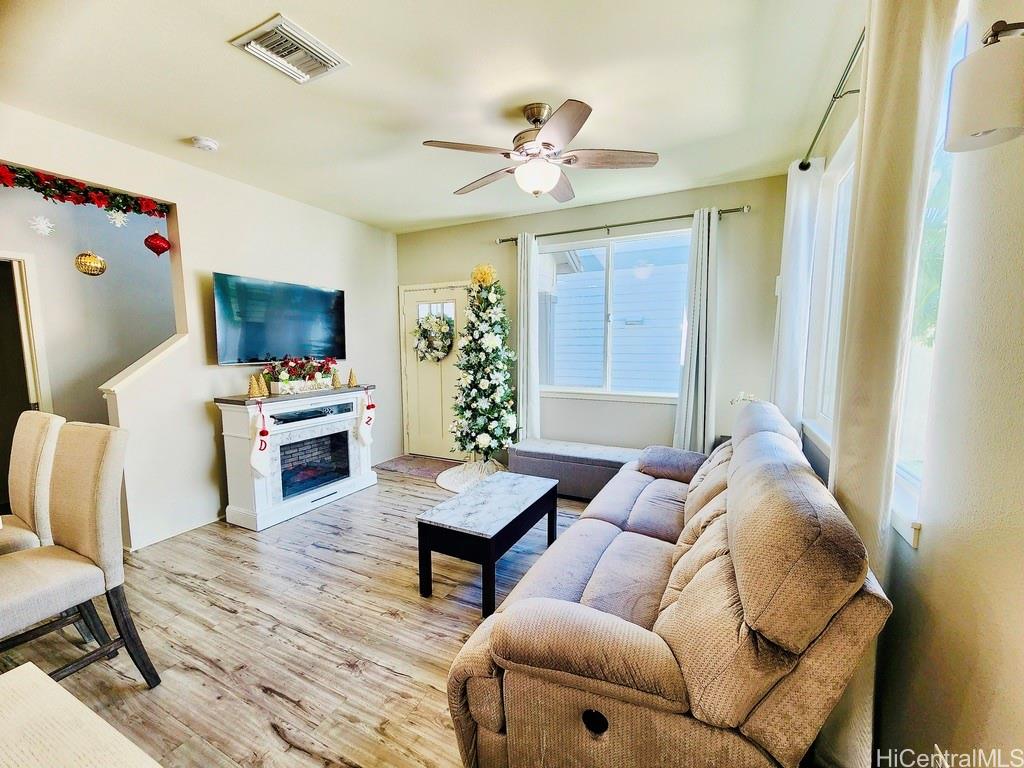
63 190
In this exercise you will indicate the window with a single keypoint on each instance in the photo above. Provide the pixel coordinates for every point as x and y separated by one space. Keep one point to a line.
612 314
832 239
910 450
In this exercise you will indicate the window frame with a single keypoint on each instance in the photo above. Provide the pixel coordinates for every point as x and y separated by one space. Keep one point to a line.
605 392
817 424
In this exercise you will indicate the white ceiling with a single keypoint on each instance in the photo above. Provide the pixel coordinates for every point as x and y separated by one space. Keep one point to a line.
723 90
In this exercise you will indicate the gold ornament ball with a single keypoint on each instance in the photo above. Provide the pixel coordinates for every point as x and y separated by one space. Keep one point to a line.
88 263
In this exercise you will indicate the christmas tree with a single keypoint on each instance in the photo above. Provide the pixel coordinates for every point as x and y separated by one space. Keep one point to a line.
485 414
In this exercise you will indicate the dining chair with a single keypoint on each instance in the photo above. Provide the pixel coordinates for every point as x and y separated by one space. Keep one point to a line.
28 480
47 588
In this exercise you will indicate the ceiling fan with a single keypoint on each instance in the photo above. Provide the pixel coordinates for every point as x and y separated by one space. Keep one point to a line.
540 155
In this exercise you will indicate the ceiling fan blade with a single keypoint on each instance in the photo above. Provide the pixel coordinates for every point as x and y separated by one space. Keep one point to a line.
609 158
484 181
562 191
564 124
484 150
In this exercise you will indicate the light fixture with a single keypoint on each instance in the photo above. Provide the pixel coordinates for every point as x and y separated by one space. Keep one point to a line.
537 176
205 143
986 103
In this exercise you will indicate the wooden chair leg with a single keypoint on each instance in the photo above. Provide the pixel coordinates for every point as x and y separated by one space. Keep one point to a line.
92 621
132 642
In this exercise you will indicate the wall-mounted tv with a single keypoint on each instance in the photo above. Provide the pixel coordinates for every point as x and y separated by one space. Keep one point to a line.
260 320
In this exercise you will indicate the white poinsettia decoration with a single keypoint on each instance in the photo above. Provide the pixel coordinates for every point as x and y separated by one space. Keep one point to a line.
434 335
485 418
117 218
41 226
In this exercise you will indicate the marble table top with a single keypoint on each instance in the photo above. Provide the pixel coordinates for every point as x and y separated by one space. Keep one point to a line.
490 505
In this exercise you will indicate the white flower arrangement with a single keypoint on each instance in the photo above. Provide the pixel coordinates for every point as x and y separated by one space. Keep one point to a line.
434 335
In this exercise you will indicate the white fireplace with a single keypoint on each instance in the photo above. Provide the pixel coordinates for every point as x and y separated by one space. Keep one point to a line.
314 455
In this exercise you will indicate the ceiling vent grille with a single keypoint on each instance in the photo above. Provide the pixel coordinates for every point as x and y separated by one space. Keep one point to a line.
288 48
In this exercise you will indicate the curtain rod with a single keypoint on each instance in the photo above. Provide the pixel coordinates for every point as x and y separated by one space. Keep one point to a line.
722 212
837 94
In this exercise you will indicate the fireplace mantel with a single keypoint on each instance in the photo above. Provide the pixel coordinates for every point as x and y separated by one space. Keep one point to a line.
312 418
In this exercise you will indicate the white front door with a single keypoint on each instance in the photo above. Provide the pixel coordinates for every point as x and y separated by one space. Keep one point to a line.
428 387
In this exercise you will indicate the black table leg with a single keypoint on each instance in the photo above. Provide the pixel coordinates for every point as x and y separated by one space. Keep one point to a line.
553 521
426 586
487 589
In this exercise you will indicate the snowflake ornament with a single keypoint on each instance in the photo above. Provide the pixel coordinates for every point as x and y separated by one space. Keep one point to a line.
117 218
41 225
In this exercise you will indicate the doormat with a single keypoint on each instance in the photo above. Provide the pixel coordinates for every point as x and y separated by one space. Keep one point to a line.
417 466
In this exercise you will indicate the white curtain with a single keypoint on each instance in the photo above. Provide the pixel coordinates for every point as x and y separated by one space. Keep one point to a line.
906 51
695 411
794 294
528 368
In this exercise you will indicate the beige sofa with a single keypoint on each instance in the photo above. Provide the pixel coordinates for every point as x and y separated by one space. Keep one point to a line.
700 613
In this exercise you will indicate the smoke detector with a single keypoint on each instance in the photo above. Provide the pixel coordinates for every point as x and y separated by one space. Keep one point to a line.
290 49
205 143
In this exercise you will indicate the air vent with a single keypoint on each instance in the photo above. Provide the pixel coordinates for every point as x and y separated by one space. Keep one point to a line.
288 48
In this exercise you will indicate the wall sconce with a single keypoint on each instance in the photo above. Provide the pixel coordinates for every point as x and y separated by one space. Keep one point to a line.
986 104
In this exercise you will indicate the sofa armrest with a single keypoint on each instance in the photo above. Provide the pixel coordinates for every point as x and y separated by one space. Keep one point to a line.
660 461
583 647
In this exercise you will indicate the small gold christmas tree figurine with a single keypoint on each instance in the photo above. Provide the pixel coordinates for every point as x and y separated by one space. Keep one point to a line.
254 387
336 380
352 381
264 387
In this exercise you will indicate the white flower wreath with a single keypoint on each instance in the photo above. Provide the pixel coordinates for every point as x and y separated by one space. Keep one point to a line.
434 336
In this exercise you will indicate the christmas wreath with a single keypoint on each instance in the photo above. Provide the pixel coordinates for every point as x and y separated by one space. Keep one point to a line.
434 336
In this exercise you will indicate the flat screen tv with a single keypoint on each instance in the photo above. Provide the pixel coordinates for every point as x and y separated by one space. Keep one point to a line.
260 320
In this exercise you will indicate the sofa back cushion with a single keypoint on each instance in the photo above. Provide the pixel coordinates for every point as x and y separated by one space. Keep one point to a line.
762 416
796 556
708 481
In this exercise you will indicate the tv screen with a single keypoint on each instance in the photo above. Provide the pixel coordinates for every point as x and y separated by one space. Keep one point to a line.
260 320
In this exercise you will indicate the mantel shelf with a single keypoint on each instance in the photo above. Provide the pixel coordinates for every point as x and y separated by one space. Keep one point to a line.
246 400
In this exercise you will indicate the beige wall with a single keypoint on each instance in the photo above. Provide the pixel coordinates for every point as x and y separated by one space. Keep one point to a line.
174 477
749 253
951 661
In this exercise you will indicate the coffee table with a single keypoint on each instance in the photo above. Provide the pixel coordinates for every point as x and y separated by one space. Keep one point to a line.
482 523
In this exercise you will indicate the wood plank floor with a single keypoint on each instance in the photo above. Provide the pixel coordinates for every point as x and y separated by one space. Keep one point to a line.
304 645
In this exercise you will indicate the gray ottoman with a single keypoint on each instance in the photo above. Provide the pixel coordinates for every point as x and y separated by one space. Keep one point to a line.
580 469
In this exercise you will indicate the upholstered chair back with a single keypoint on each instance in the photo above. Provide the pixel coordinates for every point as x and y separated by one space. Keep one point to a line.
32 452
85 495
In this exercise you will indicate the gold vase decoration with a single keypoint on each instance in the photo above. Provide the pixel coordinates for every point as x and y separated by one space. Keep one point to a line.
88 263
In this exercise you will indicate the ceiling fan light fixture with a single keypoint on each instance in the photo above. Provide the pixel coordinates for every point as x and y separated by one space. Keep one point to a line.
537 176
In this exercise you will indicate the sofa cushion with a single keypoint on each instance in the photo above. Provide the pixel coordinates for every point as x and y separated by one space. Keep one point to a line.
564 569
636 502
713 542
615 501
721 455
727 666
762 416
713 483
797 557
696 525
670 463
630 577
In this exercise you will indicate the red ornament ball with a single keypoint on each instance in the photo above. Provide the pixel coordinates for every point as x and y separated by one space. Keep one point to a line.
157 243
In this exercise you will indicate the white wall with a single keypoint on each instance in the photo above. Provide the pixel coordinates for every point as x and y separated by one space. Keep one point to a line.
92 327
749 254
951 660
174 476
